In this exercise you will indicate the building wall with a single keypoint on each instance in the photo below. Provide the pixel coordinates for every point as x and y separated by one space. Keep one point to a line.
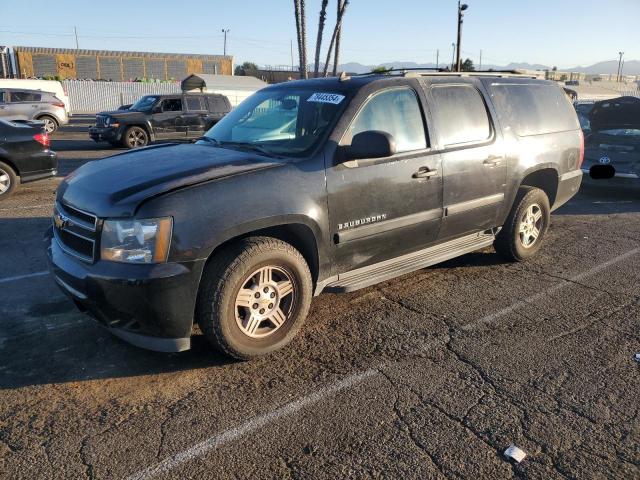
116 66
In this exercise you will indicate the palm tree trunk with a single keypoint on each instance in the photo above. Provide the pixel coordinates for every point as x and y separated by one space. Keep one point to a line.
303 28
321 20
335 34
336 58
296 6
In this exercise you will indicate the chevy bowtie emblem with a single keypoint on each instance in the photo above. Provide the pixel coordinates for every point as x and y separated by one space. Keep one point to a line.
60 220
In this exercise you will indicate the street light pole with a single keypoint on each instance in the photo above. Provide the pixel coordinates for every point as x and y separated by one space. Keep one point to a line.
225 40
453 57
461 8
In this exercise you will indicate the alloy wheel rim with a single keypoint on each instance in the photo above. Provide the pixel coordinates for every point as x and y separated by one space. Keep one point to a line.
5 181
531 226
49 126
265 301
136 138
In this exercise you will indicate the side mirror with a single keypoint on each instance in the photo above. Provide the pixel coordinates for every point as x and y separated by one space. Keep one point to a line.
371 144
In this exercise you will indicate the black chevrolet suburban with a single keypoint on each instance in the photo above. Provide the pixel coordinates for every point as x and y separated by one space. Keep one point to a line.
160 117
317 185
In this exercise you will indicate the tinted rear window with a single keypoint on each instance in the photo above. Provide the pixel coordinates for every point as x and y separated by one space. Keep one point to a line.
217 104
460 114
533 109
194 103
25 97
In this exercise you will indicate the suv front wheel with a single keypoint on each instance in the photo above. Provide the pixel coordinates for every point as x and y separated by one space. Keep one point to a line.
522 234
135 137
254 297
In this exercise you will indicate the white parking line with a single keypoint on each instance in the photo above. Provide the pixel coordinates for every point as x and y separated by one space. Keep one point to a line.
564 283
22 277
256 423
251 425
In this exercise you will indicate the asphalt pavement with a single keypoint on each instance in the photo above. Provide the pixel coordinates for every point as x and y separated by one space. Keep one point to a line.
431 375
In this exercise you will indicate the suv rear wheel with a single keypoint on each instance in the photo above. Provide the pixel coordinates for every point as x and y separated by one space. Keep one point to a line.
523 232
8 181
50 123
254 297
135 137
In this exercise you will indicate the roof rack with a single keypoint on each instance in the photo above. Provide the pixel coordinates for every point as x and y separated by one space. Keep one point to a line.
428 71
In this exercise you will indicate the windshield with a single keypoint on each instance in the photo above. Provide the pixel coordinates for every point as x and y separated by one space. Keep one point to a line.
277 122
145 103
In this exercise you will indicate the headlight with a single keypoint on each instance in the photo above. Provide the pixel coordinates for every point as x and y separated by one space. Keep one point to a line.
136 241
111 122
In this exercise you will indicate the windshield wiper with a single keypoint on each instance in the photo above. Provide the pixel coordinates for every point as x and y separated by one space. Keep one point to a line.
208 140
249 146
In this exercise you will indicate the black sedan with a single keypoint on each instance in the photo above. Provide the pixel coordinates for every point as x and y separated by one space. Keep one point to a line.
24 155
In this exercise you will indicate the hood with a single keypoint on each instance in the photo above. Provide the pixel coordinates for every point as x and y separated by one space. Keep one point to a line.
121 113
622 112
115 186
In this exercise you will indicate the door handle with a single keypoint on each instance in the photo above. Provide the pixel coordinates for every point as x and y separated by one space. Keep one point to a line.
424 172
492 161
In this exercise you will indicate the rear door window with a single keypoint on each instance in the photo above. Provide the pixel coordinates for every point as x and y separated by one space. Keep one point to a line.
194 103
460 114
172 105
397 112
217 104
25 97
532 109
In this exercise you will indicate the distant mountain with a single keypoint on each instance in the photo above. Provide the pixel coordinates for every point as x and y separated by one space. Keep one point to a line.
631 67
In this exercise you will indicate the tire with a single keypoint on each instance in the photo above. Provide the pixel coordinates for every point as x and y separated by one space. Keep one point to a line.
523 232
240 308
50 123
9 181
135 137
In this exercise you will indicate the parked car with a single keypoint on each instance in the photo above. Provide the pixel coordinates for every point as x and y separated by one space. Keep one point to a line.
160 117
33 105
612 149
50 86
24 155
380 175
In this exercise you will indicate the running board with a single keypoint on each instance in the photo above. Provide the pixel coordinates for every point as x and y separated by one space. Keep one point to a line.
379 272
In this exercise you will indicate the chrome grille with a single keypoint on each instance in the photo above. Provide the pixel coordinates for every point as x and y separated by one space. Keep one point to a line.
76 231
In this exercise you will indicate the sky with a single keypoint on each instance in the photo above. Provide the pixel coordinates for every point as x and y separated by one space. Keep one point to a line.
562 33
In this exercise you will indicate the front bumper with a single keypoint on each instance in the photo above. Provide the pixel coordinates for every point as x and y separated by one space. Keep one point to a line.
105 134
150 306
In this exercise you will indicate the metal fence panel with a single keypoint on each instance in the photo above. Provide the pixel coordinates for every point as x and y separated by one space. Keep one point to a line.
93 97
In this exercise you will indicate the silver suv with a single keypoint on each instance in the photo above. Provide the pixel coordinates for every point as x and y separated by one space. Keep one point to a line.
18 104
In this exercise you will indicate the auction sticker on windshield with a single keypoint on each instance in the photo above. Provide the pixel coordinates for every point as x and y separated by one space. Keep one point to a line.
326 98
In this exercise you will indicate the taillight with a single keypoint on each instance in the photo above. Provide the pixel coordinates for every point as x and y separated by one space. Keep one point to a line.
581 158
58 104
42 139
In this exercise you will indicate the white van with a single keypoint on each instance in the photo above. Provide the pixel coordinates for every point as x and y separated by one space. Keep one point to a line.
52 86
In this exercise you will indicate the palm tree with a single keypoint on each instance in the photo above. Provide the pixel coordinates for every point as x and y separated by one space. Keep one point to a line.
335 34
303 28
296 7
321 20
336 57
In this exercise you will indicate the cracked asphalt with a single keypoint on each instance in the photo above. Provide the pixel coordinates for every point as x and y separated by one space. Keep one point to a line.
431 375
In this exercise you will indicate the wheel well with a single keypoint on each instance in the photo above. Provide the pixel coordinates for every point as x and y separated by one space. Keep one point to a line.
9 163
546 180
295 234
40 117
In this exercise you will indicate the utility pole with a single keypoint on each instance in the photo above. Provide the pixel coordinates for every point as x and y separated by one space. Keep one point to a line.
461 8
75 31
438 58
225 40
480 66
621 71
291 41
619 66
453 57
